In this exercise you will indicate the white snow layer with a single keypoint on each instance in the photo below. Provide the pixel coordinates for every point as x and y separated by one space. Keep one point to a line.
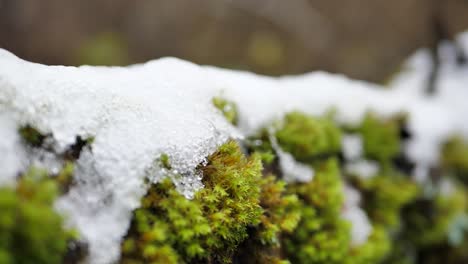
140 112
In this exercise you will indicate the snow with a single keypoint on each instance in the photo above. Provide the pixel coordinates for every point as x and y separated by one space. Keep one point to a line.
11 151
352 146
362 168
361 227
137 113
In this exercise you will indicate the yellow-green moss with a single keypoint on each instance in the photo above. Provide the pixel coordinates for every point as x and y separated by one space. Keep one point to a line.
381 138
454 158
281 214
30 230
307 137
169 228
322 236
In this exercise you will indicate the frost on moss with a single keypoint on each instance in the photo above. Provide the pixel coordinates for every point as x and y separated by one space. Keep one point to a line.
30 230
168 228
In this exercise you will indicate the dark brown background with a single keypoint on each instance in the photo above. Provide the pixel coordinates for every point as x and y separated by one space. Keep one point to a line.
365 39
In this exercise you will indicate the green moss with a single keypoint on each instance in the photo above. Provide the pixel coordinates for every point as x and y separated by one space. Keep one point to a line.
227 108
281 214
322 236
428 221
454 158
306 137
381 138
30 230
281 211
384 197
168 228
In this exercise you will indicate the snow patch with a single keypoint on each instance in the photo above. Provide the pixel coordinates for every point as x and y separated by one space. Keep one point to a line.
361 227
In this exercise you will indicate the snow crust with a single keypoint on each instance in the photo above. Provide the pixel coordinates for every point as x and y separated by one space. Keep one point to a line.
137 113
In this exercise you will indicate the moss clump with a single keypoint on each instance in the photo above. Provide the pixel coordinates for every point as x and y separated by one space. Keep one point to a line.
281 214
454 158
322 236
30 230
168 228
381 138
428 221
281 211
385 195
306 137
227 108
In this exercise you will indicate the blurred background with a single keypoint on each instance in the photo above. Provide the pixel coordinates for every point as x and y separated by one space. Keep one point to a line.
364 39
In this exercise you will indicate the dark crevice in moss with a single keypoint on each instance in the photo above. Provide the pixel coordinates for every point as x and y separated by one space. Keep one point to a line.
74 151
